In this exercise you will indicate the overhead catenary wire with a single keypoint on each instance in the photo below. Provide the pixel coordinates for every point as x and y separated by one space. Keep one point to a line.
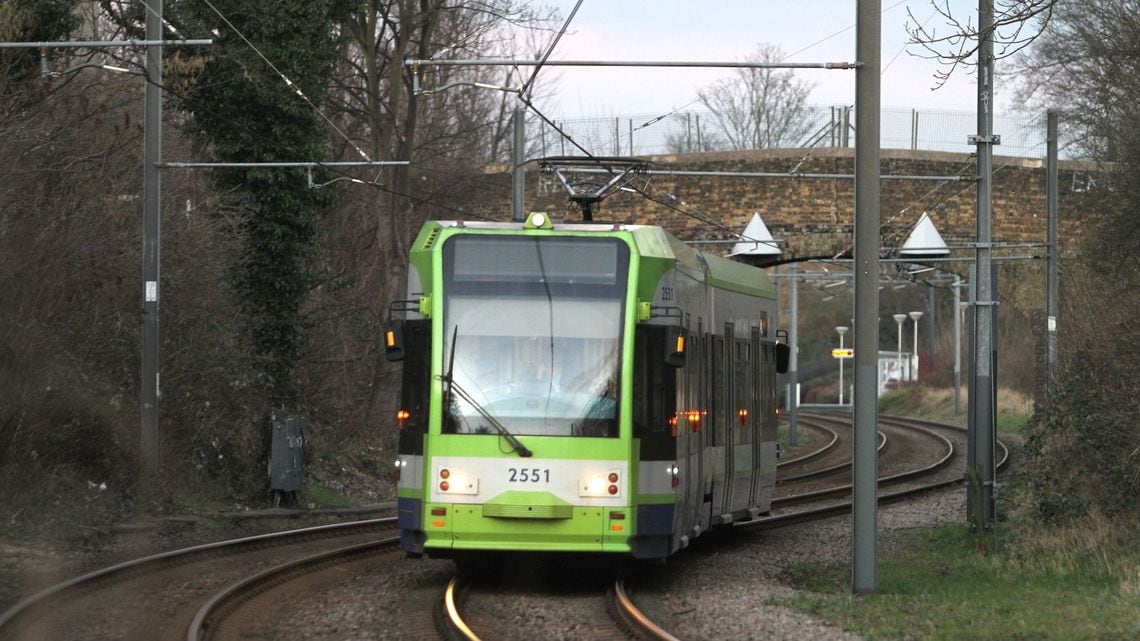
337 167
657 119
549 50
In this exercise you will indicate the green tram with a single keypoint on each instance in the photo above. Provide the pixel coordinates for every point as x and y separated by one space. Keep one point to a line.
580 387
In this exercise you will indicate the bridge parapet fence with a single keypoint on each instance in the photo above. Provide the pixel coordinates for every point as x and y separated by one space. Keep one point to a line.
815 126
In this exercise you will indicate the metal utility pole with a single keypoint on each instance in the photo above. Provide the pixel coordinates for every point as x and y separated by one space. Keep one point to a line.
868 34
518 167
152 187
794 357
1053 268
980 455
957 346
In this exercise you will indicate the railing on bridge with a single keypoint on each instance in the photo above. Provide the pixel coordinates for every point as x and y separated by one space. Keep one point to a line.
829 127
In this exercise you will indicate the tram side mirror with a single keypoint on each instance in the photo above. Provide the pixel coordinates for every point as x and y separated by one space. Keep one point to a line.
675 346
783 357
394 340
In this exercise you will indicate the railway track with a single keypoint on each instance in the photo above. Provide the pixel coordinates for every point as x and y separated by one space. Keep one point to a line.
241 587
222 605
469 611
123 600
920 450
944 470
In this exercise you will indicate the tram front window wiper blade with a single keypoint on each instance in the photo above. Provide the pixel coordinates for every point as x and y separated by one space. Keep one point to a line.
456 388
516 445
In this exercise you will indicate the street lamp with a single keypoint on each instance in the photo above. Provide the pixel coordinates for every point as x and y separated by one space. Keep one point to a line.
914 316
841 330
899 318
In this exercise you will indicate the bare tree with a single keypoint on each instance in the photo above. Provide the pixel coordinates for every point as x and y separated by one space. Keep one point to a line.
1016 24
759 108
1087 63
448 136
689 135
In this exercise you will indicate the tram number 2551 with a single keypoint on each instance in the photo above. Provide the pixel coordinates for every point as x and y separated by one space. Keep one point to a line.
528 475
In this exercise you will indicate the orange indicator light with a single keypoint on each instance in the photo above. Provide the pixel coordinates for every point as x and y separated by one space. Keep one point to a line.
617 527
390 338
438 523
681 344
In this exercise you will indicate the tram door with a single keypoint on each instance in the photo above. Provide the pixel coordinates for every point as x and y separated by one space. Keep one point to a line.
689 425
699 437
755 415
725 425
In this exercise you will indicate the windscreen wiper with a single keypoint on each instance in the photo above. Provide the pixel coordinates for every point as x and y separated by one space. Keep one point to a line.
452 386
516 445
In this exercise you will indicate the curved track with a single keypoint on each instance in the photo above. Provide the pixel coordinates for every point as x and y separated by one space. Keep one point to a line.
122 599
916 478
224 603
596 616
921 455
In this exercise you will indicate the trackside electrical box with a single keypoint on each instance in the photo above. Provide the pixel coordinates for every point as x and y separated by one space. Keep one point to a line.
287 456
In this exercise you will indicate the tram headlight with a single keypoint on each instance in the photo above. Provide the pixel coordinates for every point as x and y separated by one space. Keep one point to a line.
600 485
449 480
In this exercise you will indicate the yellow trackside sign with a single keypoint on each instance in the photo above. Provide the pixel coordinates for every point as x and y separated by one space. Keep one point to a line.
843 353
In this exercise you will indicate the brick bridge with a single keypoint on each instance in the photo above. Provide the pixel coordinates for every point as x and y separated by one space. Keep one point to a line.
814 216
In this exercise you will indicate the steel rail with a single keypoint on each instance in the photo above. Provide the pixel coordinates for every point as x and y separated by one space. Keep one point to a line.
892 478
222 603
455 625
634 617
817 452
830 469
789 518
20 609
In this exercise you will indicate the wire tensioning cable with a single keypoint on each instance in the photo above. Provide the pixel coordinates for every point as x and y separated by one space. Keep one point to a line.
549 50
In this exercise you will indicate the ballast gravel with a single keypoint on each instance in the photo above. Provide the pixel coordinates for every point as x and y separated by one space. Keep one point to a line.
724 591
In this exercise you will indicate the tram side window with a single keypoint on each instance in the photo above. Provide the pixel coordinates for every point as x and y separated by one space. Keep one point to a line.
415 383
654 383
720 381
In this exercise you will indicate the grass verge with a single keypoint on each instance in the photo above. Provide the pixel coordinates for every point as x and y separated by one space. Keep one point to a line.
1013 408
1076 583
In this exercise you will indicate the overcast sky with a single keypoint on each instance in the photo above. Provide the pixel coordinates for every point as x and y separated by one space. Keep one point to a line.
811 30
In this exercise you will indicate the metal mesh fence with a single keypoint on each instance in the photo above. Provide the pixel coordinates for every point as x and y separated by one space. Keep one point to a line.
693 131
